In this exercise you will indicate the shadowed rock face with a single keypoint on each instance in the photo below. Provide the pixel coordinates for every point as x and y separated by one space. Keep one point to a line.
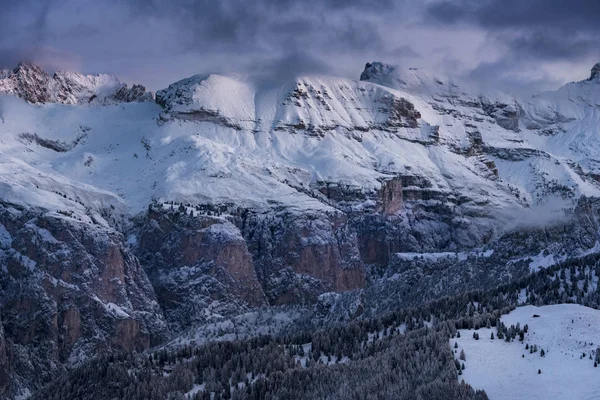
204 265
506 115
137 93
403 114
198 266
69 291
5 370
299 256
595 72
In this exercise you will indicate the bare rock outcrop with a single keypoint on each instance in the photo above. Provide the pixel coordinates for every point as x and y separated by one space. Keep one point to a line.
199 266
29 82
595 74
299 256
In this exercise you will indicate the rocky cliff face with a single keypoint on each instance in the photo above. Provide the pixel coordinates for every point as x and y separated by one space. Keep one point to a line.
5 365
301 255
202 266
199 266
595 74
69 291
411 278
28 82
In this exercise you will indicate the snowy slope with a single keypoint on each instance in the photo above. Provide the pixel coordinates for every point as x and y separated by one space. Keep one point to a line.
565 122
564 331
124 149
24 185
545 147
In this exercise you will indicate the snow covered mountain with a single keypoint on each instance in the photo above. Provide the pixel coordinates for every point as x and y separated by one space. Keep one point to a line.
227 139
234 194
31 83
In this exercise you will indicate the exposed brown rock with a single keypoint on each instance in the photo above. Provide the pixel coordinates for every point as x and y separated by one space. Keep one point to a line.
391 196
196 263
300 256
128 336
403 113
69 324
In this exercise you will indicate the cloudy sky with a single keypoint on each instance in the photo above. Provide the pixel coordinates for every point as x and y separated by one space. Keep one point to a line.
516 45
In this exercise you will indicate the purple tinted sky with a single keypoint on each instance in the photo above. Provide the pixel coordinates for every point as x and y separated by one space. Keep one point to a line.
515 45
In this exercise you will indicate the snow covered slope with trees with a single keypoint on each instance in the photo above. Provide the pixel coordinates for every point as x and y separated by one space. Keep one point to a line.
555 360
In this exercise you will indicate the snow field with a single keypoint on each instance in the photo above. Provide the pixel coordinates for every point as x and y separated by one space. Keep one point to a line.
507 371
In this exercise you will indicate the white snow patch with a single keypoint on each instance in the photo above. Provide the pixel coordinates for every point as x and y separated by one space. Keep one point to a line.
117 310
195 390
542 261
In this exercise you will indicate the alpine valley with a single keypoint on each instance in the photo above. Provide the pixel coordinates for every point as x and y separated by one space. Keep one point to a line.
233 236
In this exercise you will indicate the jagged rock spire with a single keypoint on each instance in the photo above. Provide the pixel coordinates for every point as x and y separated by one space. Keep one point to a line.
375 69
595 72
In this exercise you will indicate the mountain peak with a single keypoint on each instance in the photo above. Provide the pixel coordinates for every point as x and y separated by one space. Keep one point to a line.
376 70
595 75
32 83
412 80
28 68
26 64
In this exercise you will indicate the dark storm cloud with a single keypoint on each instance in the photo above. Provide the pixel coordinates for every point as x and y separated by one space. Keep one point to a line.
205 34
541 29
574 14
527 35
81 30
158 41
32 28
309 33
208 25
554 44
287 66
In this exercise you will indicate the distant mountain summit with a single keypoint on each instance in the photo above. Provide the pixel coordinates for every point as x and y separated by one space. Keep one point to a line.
34 85
411 79
595 75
